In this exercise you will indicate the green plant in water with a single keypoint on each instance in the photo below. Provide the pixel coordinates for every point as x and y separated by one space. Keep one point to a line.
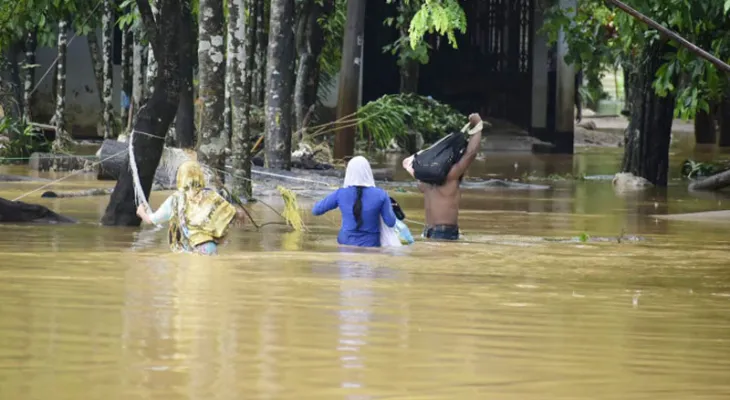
393 116
584 237
24 141
692 168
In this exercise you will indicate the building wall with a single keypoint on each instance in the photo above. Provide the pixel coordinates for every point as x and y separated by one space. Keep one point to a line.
83 105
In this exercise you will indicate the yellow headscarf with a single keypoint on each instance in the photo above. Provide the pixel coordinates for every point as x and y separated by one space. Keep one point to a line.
203 212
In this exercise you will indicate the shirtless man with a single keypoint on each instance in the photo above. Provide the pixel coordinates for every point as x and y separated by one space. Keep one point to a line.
442 202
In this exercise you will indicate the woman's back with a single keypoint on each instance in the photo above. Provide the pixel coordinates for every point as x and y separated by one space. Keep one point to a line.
374 204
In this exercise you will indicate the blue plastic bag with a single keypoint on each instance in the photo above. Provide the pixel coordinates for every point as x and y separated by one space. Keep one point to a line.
404 234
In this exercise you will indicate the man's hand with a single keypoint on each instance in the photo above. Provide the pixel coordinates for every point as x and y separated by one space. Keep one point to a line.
475 124
408 165
142 214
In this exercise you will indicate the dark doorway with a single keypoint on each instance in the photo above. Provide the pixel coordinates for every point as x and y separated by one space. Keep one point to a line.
490 72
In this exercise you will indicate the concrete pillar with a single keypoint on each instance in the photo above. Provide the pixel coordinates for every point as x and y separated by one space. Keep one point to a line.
565 93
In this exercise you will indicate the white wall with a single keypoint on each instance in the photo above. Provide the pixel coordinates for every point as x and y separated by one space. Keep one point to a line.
83 108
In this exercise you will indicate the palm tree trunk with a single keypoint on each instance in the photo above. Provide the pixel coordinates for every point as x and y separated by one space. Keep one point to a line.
279 85
212 141
31 44
242 97
107 22
63 139
185 118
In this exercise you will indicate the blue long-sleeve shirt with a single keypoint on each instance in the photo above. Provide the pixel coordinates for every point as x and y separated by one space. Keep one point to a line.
375 204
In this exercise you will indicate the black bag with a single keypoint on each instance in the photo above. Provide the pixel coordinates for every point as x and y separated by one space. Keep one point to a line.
433 164
397 210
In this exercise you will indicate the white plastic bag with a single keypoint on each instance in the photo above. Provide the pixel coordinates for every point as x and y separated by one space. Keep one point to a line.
388 236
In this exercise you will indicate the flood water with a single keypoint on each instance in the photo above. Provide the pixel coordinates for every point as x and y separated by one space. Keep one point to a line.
512 312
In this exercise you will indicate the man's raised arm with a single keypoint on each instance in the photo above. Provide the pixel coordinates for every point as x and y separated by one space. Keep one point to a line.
472 149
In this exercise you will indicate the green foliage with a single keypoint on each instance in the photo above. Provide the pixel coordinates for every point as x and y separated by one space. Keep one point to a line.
393 116
25 141
593 43
601 37
443 17
696 169
418 17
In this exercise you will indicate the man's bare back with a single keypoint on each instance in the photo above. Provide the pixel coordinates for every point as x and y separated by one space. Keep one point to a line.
442 201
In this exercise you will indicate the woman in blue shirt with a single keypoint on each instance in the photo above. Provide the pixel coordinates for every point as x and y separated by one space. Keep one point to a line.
362 206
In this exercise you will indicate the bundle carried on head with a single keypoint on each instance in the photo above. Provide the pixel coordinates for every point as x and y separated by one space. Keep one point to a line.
433 164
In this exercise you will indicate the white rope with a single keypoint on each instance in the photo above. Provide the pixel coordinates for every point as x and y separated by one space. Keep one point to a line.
139 197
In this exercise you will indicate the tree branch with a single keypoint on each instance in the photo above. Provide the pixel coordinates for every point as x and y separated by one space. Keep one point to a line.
150 26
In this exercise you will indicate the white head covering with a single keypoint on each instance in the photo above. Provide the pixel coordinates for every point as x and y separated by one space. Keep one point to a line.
359 173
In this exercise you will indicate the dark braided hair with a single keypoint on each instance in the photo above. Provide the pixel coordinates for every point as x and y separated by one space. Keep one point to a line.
357 208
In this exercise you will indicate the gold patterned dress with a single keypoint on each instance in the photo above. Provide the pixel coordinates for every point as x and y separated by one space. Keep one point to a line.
199 217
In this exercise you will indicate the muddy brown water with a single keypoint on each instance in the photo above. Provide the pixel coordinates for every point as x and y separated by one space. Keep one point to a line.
108 313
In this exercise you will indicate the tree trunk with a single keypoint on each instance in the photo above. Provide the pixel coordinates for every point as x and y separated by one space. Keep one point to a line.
627 89
127 82
704 128
242 96
212 141
97 64
185 118
107 22
409 73
350 77
151 71
154 118
232 45
310 41
279 85
262 37
17 211
649 133
31 44
63 139
139 70
714 182
725 120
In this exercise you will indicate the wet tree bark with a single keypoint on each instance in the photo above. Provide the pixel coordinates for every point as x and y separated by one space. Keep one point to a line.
232 74
409 73
212 140
242 98
185 118
31 43
63 139
715 182
98 65
107 22
310 41
649 132
725 120
279 85
704 128
262 38
349 77
139 70
155 116
127 82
